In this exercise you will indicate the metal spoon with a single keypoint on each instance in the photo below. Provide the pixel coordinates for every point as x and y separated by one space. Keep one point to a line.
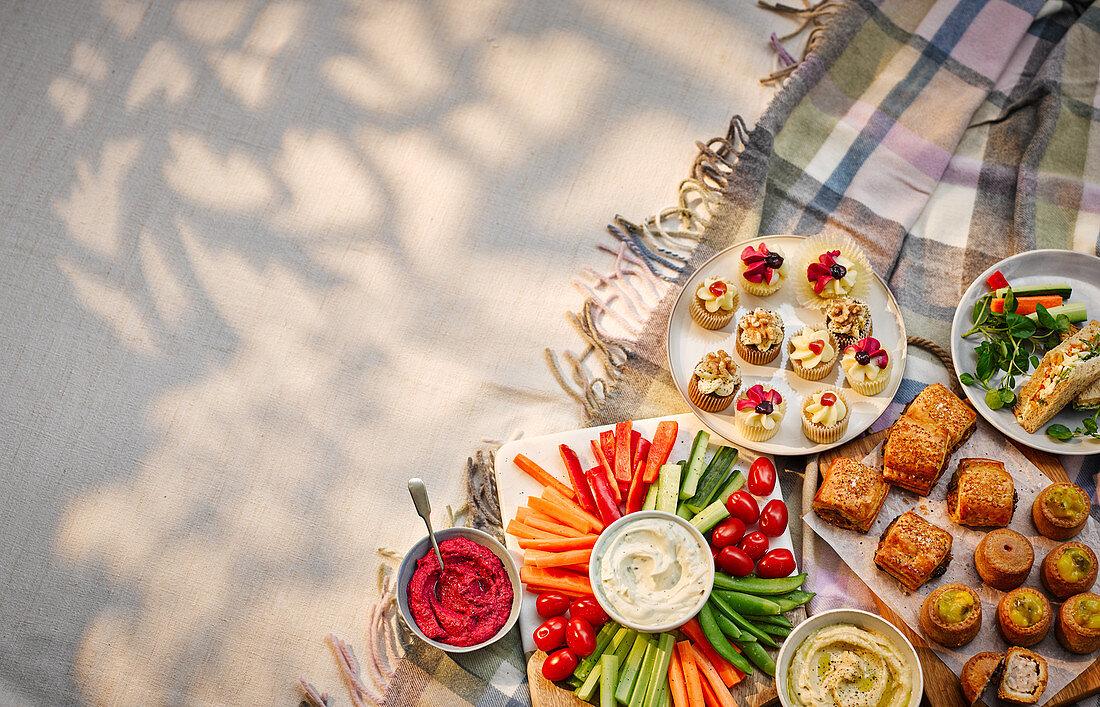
419 495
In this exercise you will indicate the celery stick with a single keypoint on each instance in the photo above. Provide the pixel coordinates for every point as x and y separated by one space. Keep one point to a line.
623 650
660 670
695 465
650 498
588 687
610 665
630 669
710 516
603 638
668 487
641 683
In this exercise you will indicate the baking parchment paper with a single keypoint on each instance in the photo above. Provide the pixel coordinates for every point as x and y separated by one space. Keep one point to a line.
858 552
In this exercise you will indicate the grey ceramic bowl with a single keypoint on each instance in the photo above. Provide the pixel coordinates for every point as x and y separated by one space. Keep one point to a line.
423 547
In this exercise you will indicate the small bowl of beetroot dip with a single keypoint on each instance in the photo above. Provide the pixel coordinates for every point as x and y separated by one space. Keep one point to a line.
472 603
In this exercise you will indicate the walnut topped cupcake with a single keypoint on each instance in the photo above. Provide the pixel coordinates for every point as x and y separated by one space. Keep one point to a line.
759 336
714 303
763 269
848 319
714 382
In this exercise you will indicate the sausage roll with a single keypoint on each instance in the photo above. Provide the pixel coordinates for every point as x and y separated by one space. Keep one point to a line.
981 494
913 550
936 405
914 456
851 495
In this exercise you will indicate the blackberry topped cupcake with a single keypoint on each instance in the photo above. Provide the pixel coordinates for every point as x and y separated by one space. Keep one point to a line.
763 269
760 409
832 267
714 303
866 366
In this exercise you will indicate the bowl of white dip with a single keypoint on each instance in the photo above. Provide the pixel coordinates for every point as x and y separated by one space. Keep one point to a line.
651 571
848 658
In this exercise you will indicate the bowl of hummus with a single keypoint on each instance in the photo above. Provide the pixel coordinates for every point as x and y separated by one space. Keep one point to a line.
471 603
848 658
651 571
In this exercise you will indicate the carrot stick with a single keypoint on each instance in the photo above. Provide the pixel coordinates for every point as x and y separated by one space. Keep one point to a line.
556 578
551 526
577 479
692 680
663 440
725 699
605 465
623 466
520 530
694 631
541 475
560 514
523 513
676 687
562 559
558 545
709 698
1026 305
556 498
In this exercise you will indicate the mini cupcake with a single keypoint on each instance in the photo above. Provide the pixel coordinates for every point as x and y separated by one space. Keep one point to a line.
714 303
866 366
763 270
714 382
825 415
848 319
832 267
812 353
759 336
759 412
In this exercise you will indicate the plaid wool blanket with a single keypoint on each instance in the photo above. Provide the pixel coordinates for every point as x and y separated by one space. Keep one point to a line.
941 135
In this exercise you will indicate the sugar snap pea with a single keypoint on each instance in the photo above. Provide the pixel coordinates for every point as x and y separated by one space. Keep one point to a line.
772 630
718 640
750 603
773 620
740 621
759 657
757 585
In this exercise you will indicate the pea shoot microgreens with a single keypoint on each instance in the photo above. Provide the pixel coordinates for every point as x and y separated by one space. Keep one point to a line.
1088 428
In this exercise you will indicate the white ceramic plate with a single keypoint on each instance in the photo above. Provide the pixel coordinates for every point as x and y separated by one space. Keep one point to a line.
1037 267
688 342
513 486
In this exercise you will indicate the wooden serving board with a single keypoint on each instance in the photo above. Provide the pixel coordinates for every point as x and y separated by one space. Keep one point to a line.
941 686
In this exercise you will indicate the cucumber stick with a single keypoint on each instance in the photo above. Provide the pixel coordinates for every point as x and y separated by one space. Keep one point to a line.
650 502
695 465
610 670
1055 288
712 479
668 487
732 485
710 516
1074 311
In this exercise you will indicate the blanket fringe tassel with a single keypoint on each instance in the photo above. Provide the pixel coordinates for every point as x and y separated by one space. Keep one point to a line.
815 17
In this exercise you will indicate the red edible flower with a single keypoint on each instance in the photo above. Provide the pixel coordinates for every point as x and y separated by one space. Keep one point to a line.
871 352
821 272
756 395
760 263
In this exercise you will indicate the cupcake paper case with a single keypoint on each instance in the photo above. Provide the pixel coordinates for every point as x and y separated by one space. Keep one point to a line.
714 303
760 326
866 366
831 266
763 269
825 415
759 412
813 353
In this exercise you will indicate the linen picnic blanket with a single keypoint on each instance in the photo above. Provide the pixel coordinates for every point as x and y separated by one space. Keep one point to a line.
941 135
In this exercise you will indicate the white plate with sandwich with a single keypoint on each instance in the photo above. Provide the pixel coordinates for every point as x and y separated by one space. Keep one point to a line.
1077 394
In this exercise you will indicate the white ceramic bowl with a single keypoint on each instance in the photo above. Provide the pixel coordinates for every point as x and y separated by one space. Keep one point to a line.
423 547
600 548
863 619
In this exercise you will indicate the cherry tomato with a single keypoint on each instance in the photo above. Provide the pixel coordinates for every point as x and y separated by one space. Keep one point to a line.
743 506
728 532
734 560
559 665
588 608
550 634
773 519
777 563
580 637
551 604
755 544
762 477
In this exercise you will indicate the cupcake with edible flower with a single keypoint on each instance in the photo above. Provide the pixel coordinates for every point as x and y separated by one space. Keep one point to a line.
714 303
812 353
831 267
759 336
759 412
866 366
825 415
763 269
714 381
848 319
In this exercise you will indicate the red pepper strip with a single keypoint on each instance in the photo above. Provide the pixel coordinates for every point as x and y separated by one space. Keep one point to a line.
576 477
607 471
996 281
623 466
663 440
635 497
607 444
641 453
605 501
